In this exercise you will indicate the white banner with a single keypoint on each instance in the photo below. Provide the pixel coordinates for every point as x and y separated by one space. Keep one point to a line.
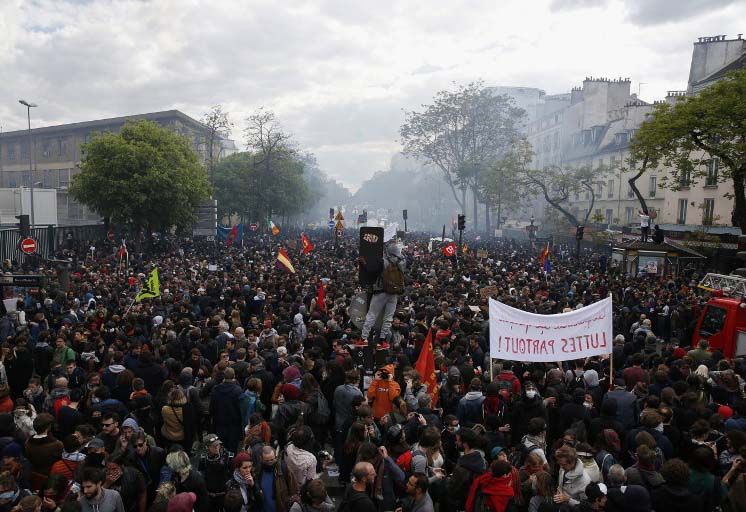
517 335
389 231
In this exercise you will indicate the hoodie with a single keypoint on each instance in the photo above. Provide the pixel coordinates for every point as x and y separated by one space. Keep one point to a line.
470 408
469 467
498 491
574 482
383 392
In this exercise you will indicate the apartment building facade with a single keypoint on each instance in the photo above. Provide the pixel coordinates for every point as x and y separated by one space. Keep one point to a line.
57 153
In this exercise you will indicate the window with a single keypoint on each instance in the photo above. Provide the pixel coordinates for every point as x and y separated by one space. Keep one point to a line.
681 216
612 162
24 150
11 150
610 189
630 192
628 212
708 211
653 185
713 165
713 321
61 147
556 140
609 216
685 178
599 189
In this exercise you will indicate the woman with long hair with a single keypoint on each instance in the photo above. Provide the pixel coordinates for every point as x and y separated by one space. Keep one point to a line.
355 438
312 395
178 420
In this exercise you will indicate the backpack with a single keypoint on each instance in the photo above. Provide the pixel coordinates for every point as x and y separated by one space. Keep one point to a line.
576 383
519 454
322 413
404 461
393 279
481 503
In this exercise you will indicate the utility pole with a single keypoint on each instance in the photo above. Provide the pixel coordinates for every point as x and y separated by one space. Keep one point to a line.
461 227
578 238
29 106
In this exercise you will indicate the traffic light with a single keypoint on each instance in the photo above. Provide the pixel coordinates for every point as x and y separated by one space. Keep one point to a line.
331 213
579 232
23 225
404 214
461 222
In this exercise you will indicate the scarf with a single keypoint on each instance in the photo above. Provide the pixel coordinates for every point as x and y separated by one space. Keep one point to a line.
260 431
136 394
241 485
73 457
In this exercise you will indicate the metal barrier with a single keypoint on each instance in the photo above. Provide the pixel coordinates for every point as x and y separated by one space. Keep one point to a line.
48 238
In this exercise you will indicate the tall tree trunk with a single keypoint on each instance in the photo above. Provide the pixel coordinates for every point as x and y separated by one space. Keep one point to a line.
633 185
475 211
487 223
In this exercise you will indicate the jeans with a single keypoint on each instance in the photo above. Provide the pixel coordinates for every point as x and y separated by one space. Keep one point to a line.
380 303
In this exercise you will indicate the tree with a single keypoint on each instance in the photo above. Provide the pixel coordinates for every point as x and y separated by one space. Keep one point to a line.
217 126
713 123
501 187
272 149
235 180
462 133
146 175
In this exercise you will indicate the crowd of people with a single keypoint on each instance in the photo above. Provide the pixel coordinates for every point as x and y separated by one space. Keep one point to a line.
235 390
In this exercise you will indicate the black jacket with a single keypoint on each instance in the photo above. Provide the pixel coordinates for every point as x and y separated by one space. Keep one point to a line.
468 467
670 498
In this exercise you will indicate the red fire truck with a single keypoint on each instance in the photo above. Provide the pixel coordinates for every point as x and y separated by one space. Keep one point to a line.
723 321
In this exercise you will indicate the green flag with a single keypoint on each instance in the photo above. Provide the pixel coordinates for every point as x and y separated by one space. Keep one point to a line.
151 288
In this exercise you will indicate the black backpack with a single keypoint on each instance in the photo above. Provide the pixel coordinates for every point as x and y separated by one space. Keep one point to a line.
519 454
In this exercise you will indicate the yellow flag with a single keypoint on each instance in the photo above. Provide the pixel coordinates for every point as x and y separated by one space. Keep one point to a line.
151 288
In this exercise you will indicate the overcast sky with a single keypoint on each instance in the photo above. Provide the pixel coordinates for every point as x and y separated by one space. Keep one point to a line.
338 73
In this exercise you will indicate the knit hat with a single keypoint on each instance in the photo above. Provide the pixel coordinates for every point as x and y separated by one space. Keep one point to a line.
282 351
678 353
182 502
591 378
290 392
12 450
725 412
290 373
240 458
636 499
130 423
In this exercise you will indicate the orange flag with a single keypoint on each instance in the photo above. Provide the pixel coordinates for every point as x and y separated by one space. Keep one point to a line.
425 366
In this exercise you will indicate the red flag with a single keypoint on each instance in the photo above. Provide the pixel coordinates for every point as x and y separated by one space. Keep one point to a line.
544 254
449 250
307 245
232 236
425 366
321 298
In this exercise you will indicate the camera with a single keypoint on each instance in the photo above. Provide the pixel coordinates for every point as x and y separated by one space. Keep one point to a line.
384 375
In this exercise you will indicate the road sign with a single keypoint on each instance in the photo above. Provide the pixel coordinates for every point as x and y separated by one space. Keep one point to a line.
253 226
339 226
27 281
339 216
340 233
210 238
330 224
28 246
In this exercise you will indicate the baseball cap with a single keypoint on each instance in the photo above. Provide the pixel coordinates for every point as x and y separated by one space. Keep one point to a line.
211 439
593 491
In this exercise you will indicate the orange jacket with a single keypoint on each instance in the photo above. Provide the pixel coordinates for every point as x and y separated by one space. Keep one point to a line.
382 393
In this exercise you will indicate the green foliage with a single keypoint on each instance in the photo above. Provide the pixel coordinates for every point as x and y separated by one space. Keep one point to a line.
146 175
463 132
685 136
241 190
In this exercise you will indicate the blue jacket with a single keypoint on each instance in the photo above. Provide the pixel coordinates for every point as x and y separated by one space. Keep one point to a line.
470 408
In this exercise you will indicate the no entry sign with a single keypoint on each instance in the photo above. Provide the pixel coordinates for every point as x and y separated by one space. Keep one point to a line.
28 246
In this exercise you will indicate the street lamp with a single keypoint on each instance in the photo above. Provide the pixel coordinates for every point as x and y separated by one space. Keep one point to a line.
30 155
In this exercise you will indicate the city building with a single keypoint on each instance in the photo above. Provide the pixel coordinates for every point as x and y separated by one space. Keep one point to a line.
594 129
57 153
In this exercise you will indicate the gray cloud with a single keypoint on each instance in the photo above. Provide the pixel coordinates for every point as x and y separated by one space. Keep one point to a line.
337 73
654 12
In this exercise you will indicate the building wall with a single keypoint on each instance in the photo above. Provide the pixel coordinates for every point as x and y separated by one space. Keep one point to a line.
57 152
711 54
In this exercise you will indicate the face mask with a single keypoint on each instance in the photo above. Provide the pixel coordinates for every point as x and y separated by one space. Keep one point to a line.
588 405
268 465
531 393
659 428
454 429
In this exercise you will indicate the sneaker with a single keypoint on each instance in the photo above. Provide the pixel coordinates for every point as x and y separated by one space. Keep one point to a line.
361 343
383 346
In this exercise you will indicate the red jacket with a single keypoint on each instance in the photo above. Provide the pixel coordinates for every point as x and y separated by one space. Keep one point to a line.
498 491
